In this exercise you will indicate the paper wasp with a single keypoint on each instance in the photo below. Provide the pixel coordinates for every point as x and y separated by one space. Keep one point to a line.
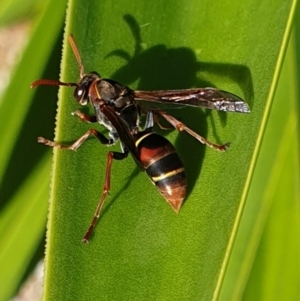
117 108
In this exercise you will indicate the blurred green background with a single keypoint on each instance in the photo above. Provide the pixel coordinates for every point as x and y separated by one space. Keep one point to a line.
263 258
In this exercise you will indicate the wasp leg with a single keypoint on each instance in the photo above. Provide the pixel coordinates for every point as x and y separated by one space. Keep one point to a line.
79 141
85 117
182 127
106 188
151 118
165 128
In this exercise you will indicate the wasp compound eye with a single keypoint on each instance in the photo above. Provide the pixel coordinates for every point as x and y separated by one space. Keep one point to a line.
80 95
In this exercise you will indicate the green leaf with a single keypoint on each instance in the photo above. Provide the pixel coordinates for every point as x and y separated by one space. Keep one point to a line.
11 10
264 264
25 165
141 250
22 227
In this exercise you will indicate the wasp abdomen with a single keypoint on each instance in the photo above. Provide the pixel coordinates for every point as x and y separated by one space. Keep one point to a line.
164 167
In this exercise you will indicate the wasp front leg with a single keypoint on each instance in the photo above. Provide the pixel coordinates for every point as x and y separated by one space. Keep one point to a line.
85 117
102 139
182 127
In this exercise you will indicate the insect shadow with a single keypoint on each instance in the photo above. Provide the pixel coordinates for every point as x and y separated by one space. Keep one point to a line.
161 68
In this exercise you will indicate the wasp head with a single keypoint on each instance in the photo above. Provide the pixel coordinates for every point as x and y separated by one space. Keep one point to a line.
81 93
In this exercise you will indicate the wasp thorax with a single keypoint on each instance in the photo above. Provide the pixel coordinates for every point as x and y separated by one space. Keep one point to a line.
113 93
109 90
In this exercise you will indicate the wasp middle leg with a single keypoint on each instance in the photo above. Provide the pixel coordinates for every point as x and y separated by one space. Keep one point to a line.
78 142
105 191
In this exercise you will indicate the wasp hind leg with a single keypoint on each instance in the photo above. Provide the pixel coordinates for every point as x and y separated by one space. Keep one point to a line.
182 127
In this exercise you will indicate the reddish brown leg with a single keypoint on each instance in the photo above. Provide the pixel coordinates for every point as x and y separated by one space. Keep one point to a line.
106 188
85 117
167 128
110 157
182 127
152 118
78 142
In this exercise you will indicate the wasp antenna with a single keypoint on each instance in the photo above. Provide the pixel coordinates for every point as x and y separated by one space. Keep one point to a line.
50 82
77 55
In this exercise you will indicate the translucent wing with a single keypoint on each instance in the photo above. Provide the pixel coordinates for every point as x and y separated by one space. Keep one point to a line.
209 98
122 130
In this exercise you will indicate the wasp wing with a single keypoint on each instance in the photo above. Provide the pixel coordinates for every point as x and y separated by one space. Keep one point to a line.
123 131
209 98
